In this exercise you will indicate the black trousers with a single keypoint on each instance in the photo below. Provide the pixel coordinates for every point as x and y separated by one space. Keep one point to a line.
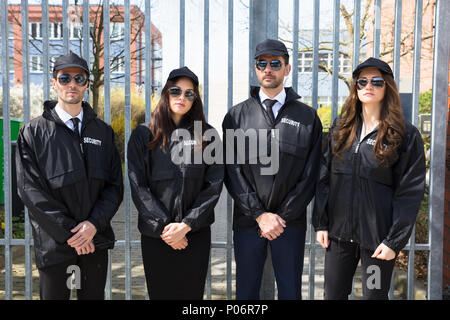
176 274
341 260
90 277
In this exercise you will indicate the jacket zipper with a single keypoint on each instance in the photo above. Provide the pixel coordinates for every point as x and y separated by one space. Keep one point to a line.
355 162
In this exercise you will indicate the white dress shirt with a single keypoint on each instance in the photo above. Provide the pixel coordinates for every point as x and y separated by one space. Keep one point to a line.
280 97
65 117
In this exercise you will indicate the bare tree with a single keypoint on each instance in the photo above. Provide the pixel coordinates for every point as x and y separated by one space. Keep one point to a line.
117 59
346 44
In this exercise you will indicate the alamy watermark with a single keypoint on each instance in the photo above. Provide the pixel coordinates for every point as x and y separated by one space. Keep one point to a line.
241 147
74 280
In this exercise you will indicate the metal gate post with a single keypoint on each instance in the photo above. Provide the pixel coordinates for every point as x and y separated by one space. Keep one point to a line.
438 141
263 25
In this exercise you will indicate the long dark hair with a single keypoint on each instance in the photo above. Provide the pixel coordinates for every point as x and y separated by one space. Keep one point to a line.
391 126
162 125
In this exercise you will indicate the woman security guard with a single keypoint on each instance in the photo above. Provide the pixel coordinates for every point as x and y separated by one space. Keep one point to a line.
175 201
371 184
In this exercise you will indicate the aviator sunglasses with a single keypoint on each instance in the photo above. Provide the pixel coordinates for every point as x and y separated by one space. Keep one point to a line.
376 82
176 92
65 79
275 64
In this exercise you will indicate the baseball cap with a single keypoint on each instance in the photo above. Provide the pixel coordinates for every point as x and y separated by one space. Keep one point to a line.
183 72
70 60
270 46
373 63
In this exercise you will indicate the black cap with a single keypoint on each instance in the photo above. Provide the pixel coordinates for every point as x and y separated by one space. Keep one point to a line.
70 60
269 46
373 63
183 72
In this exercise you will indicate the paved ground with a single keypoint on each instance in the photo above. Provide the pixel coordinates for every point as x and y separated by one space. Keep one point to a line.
218 266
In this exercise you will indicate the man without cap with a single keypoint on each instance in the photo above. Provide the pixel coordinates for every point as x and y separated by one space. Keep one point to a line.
69 176
270 209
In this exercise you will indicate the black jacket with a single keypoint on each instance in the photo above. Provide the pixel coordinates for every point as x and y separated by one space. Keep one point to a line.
165 192
358 200
288 191
61 188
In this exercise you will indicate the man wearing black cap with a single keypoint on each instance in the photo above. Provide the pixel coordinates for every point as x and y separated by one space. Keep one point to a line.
271 209
70 177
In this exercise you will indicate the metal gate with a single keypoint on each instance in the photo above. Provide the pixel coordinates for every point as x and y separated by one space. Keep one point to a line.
263 22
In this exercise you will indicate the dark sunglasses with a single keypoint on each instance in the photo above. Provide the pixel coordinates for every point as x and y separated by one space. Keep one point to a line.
176 92
275 64
376 83
65 79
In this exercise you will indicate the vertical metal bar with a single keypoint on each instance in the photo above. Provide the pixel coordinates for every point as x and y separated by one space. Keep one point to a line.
251 44
335 79
356 32
397 38
438 147
108 290
315 73
206 58
230 105
86 38
182 31
26 118
65 35
6 151
312 254
377 28
148 62
127 136
416 67
272 19
414 120
295 47
208 279
107 110
106 62
45 50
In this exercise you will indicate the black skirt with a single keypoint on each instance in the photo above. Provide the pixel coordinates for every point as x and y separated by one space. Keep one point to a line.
176 274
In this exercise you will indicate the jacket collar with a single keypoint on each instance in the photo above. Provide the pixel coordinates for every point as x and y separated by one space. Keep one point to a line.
290 93
50 113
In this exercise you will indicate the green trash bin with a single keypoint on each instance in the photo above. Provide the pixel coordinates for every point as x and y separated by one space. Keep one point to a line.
15 126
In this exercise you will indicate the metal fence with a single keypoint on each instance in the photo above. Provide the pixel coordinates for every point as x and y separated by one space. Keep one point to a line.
263 22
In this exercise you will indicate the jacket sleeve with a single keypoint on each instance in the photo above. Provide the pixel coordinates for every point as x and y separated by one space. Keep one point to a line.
151 211
320 212
50 214
110 198
409 173
243 194
198 215
298 198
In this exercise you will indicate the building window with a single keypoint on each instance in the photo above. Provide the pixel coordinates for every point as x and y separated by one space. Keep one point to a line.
75 31
326 60
305 60
36 30
36 64
118 65
56 30
345 63
117 30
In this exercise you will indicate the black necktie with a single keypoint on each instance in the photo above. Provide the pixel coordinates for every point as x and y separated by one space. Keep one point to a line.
269 104
76 131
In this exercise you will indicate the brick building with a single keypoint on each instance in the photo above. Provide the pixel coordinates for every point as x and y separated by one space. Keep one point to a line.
56 48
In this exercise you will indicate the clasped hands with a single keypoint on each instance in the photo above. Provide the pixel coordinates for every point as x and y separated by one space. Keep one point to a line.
81 241
271 225
174 234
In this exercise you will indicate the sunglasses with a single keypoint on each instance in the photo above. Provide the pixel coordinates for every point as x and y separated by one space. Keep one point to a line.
176 92
274 64
65 79
376 83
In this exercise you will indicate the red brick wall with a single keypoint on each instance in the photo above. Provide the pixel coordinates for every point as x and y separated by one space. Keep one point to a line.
446 256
